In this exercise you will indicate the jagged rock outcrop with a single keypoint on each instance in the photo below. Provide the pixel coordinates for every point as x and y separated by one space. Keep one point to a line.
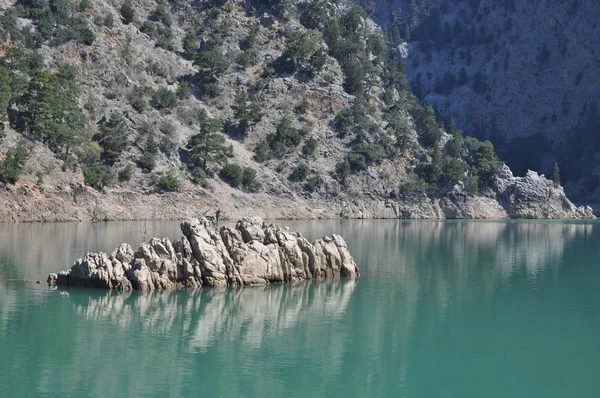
252 253
532 196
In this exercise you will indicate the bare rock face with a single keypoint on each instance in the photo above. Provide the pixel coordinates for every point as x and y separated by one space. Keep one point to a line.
252 253
534 196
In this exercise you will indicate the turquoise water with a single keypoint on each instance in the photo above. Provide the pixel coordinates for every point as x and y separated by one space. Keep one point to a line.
442 309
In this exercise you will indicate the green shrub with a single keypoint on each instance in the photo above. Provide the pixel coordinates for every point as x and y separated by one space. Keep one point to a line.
299 173
232 174
13 164
315 14
199 177
313 183
246 113
427 172
163 98
372 153
161 34
278 144
301 51
302 107
161 14
83 5
183 90
310 146
210 90
356 161
262 151
454 170
169 181
355 119
248 57
98 176
90 153
472 185
138 102
167 146
85 35
281 8
126 173
127 12
249 178
342 171
285 137
413 190
109 20
147 162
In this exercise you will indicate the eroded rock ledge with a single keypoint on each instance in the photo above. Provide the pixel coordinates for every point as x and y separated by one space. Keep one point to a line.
252 253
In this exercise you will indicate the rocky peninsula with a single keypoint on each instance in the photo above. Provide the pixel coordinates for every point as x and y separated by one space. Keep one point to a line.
252 253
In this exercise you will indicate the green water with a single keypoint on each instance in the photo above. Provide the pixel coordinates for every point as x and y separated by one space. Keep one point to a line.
442 309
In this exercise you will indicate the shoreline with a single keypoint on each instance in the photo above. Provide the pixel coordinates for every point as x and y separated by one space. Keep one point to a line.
232 220
31 203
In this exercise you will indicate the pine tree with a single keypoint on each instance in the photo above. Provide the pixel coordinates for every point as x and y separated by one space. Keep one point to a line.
5 94
112 137
190 44
52 111
213 61
247 114
556 175
209 145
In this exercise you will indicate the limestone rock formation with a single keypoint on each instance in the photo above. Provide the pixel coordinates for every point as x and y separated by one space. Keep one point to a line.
534 196
252 253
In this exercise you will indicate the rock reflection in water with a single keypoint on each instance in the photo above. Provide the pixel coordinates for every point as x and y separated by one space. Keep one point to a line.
202 333
251 314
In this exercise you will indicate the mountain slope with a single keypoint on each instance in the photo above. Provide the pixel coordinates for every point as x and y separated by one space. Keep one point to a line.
164 110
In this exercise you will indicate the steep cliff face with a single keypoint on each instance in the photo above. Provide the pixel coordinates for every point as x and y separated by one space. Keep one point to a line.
523 74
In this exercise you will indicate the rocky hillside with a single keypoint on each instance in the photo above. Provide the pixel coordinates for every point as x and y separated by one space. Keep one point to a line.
523 74
143 109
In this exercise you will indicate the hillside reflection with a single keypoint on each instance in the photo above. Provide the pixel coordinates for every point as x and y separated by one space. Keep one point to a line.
39 249
390 246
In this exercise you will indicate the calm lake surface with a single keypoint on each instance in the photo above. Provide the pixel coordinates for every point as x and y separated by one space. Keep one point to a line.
442 309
